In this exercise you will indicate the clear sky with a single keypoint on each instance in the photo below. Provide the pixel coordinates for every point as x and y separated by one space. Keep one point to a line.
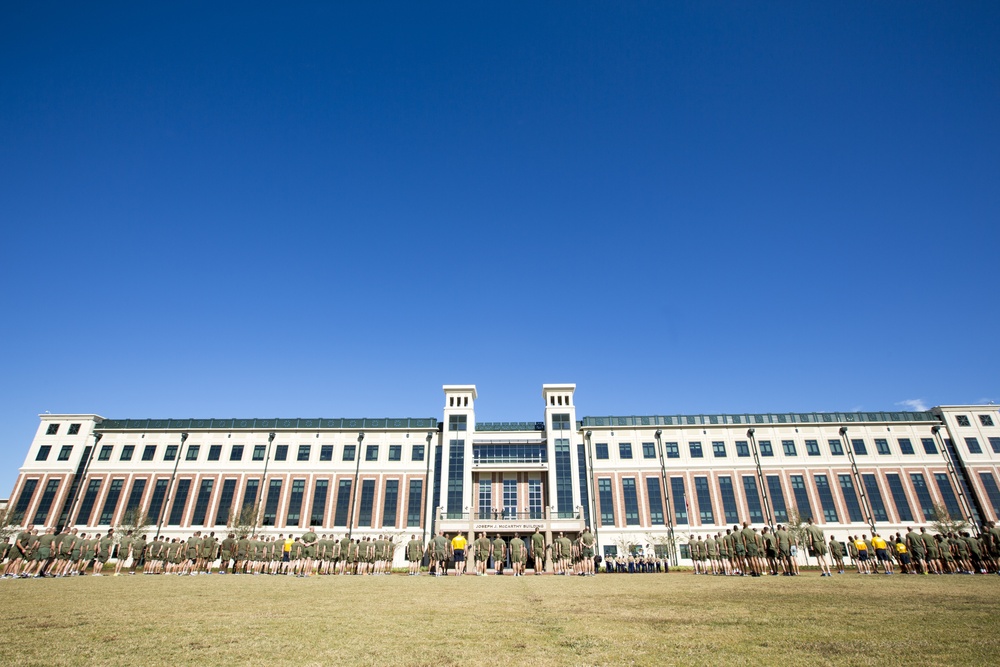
222 210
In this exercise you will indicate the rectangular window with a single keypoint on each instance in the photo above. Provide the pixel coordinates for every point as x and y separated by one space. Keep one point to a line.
899 497
923 495
882 446
719 449
343 502
995 445
905 446
326 453
992 492
836 447
456 477
788 446
655 498
680 500
695 448
86 506
192 452
156 502
43 453
281 452
535 498
826 499
259 451
581 462
801 497
371 453
366 502
606 501
135 495
74 429
395 453
170 453
704 496
295 502
250 494
742 449
973 445
929 446
649 450
64 453
271 502
317 517
601 451
851 498
236 453
390 502
127 452
560 422
812 447
753 499
304 452
45 503
225 502
201 502
486 497
962 420
859 447
349 452
986 420
672 451
564 479
457 423
510 497
777 498
948 495
414 502
418 453
631 499
180 501
729 508
52 429
105 453
214 452
875 497
765 448
148 452
624 450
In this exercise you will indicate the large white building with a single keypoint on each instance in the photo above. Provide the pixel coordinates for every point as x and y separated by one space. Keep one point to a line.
635 479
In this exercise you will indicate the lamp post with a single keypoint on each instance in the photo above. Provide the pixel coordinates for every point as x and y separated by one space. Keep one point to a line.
263 482
666 495
590 488
857 479
768 516
83 477
170 486
354 487
427 483
953 472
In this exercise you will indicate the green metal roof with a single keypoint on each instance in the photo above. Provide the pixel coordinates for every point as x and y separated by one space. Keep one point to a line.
259 424
750 419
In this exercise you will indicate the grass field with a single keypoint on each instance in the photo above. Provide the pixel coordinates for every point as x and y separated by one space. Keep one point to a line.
605 620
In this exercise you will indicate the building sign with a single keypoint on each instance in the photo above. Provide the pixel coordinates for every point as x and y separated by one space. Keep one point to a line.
491 526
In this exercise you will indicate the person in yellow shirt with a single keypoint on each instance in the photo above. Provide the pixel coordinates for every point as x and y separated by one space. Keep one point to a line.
903 554
862 549
882 552
458 544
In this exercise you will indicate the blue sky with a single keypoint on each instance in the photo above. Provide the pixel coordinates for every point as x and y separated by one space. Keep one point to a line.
245 210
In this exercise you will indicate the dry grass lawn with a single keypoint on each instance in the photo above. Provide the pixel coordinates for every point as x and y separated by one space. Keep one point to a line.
606 620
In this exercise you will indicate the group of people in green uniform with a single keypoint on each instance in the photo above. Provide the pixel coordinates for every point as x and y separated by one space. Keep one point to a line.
568 556
745 551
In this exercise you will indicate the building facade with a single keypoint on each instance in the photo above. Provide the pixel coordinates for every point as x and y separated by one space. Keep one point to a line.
651 481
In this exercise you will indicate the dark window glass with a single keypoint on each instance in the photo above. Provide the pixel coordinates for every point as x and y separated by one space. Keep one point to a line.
304 451
836 447
704 501
680 500
992 492
973 445
801 497
601 450
995 445
349 452
777 498
753 499
73 429
127 452
271 502
170 453
812 448
343 502
655 498
250 495
882 446
457 423
180 500
695 448
875 497
631 499
728 495
281 452
788 446
105 453
64 453
742 448
765 448
649 450
371 453
851 498
564 479
45 503
986 420
418 453
606 501
948 494
929 446
672 450
192 452
259 452
236 454
719 449
326 453
581 462
43 453
624 450
201 502
148 452
390 502
214 452
156 502
962 420
899 497
905 446
225 502
560 422
135 495
87 506
395 452
295 502
52 429
826 499
366 502
414 502
318 515
923 496
859 447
